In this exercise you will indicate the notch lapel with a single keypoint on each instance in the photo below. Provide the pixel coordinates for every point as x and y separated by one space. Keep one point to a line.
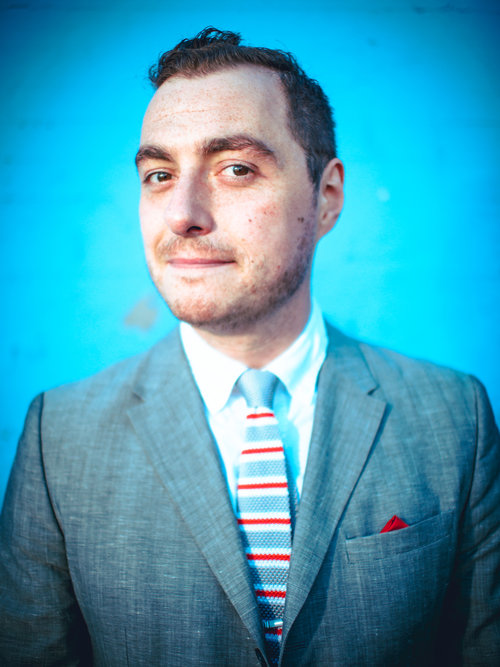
346 423
171 425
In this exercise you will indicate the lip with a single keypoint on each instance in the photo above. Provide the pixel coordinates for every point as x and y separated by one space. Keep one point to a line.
198 262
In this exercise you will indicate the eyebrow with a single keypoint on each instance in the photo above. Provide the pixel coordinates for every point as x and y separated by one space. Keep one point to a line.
237 142
151 152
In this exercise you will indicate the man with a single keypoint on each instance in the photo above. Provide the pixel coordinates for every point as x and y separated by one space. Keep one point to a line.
125 535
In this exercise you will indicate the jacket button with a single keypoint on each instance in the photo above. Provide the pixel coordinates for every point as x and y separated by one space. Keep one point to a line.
260 657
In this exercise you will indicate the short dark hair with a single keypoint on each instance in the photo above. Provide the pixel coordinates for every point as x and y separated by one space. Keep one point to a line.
310 114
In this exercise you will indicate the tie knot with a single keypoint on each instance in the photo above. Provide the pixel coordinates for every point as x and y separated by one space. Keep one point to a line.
257 388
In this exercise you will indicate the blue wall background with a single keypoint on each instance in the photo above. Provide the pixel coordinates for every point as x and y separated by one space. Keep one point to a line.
414 261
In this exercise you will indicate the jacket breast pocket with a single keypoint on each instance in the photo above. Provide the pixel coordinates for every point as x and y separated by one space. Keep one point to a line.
417 536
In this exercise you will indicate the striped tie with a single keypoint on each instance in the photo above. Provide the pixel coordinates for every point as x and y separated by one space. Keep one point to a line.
263 504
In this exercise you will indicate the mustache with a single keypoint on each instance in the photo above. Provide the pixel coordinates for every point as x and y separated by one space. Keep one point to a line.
197 245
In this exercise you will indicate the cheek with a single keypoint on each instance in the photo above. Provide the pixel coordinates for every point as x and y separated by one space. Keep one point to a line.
271 213
257 234
261 220
267 236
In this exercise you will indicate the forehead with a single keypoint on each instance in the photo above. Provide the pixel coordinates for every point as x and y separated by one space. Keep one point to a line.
236 100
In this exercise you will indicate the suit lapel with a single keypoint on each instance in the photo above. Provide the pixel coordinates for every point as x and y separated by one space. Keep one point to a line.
346 423
171 424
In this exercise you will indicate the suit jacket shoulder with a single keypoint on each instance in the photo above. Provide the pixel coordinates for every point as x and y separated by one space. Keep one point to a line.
412 385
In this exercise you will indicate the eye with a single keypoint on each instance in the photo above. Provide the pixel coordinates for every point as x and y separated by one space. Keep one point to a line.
240 170
158 177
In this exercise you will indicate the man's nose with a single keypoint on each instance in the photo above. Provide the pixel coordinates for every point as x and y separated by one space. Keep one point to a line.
187 211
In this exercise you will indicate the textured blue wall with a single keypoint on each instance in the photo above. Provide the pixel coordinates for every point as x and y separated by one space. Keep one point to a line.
414 261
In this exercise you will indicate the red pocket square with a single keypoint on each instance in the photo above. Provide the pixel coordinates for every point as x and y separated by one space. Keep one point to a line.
394 524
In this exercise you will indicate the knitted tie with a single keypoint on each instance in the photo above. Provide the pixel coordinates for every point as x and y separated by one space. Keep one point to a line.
264 505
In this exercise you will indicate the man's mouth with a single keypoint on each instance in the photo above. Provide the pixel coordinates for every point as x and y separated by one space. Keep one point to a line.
198 262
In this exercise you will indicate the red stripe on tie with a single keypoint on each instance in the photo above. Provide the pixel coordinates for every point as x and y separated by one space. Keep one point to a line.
271 594
267 485
274 631
262 450
268 556
256 521
258 415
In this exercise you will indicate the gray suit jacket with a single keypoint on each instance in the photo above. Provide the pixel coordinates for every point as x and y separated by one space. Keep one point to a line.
119 545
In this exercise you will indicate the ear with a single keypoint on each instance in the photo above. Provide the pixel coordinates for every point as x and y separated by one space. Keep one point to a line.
330 197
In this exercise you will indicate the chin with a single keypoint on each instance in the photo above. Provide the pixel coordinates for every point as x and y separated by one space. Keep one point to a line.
205 314
224 310
197 316
237 317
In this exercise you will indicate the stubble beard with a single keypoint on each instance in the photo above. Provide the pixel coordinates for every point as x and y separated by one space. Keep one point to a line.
256 302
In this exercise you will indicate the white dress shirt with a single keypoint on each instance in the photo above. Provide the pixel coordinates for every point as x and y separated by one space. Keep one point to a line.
294 400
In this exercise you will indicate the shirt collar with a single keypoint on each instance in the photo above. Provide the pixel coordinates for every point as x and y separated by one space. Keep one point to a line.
297 367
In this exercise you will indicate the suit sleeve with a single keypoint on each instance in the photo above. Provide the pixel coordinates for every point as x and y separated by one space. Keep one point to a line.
472 619
41 622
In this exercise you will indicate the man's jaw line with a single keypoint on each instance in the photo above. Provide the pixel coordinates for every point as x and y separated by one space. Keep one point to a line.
257 341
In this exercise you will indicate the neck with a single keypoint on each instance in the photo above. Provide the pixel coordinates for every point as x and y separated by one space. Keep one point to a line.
263 340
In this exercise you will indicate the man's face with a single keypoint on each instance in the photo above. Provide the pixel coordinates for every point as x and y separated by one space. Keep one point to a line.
228 212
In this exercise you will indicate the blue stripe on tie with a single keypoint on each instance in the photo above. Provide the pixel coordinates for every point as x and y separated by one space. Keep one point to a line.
261 504
268 432
261 540
269 609
263 468
269 577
